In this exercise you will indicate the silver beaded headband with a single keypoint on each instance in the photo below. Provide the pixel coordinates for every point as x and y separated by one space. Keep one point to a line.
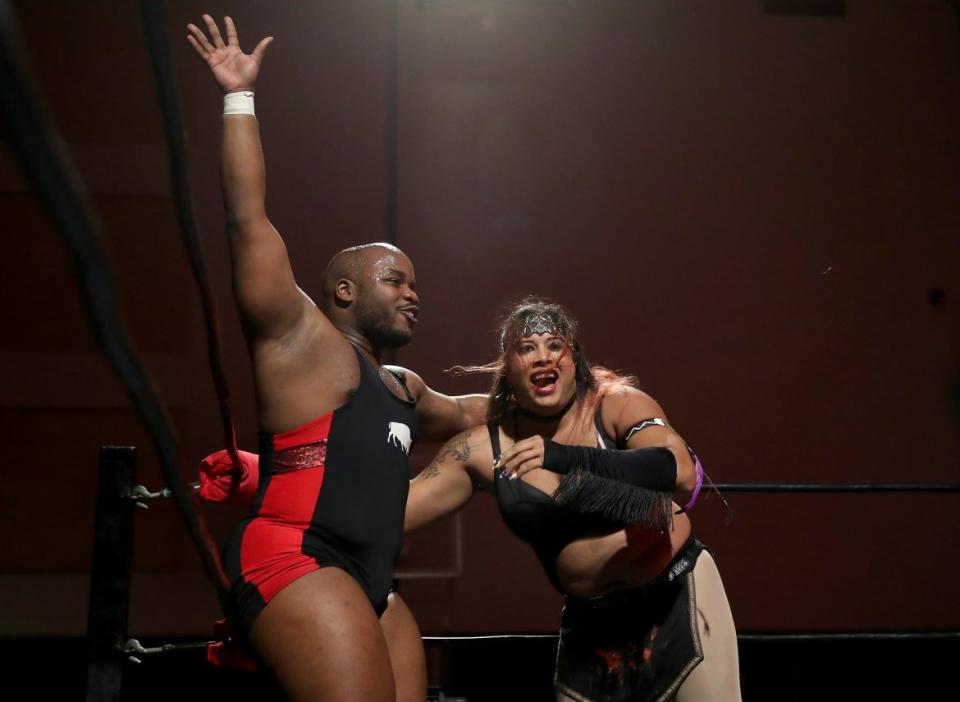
539 323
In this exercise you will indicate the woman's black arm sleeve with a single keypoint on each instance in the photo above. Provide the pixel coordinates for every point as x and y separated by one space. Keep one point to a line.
652 468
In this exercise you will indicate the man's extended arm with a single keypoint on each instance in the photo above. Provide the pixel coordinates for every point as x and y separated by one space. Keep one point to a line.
441 416
269 301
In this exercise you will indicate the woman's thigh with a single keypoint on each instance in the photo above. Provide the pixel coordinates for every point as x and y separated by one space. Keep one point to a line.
323 642
717 677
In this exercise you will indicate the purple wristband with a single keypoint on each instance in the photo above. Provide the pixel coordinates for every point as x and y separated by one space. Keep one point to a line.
696 486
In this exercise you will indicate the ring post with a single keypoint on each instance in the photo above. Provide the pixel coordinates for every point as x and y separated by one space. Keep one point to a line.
110 573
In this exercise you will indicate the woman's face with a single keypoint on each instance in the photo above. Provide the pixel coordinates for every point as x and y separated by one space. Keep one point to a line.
540 368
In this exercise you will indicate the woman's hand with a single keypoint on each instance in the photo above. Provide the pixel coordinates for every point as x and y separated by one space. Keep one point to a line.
522 457
232 69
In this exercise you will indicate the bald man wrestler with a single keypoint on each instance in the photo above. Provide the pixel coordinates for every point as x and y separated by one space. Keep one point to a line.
311 564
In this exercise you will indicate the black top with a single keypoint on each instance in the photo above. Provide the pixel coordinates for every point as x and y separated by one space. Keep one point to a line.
534 517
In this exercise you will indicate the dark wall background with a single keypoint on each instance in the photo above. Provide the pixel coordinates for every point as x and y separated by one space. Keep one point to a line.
752 212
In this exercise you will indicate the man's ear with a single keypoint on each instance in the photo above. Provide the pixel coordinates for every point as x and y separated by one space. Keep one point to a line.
345 292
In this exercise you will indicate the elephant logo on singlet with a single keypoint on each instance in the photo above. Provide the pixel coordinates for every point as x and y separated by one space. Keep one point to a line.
398 434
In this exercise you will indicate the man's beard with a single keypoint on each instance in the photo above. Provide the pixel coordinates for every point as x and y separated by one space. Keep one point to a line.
379 328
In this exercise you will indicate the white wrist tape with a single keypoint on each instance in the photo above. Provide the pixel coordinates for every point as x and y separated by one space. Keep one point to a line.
238 103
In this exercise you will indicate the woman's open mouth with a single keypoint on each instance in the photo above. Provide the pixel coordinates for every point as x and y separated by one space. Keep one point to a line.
544 382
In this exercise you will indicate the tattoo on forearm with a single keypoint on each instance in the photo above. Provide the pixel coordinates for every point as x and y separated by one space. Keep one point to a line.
457 448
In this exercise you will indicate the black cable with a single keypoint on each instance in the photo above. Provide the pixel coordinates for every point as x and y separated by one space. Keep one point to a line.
38 148
154 22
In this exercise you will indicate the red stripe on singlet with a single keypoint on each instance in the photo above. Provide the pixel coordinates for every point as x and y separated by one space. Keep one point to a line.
271 553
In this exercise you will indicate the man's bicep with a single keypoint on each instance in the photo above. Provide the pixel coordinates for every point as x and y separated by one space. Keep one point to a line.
266 293
442 415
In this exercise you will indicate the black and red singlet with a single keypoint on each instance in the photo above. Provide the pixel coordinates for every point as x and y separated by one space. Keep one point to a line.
332 492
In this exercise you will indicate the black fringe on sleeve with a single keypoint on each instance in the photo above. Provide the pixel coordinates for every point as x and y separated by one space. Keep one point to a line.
618 502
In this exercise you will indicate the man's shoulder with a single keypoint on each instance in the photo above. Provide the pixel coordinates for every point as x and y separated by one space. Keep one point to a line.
406 376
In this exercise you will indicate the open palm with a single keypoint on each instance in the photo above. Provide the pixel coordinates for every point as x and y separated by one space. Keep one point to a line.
231 68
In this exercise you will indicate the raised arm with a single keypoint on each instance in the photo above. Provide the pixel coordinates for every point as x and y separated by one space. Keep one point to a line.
269 301
440 416
450 480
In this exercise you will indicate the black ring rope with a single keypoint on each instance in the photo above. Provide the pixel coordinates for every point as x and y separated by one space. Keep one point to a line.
837 487
42 155
756 636
134 647
779 637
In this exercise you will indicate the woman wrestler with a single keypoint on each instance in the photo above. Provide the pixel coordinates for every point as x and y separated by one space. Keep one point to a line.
585 468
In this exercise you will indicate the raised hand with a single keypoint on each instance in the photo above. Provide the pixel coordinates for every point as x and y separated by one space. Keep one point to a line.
232 69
